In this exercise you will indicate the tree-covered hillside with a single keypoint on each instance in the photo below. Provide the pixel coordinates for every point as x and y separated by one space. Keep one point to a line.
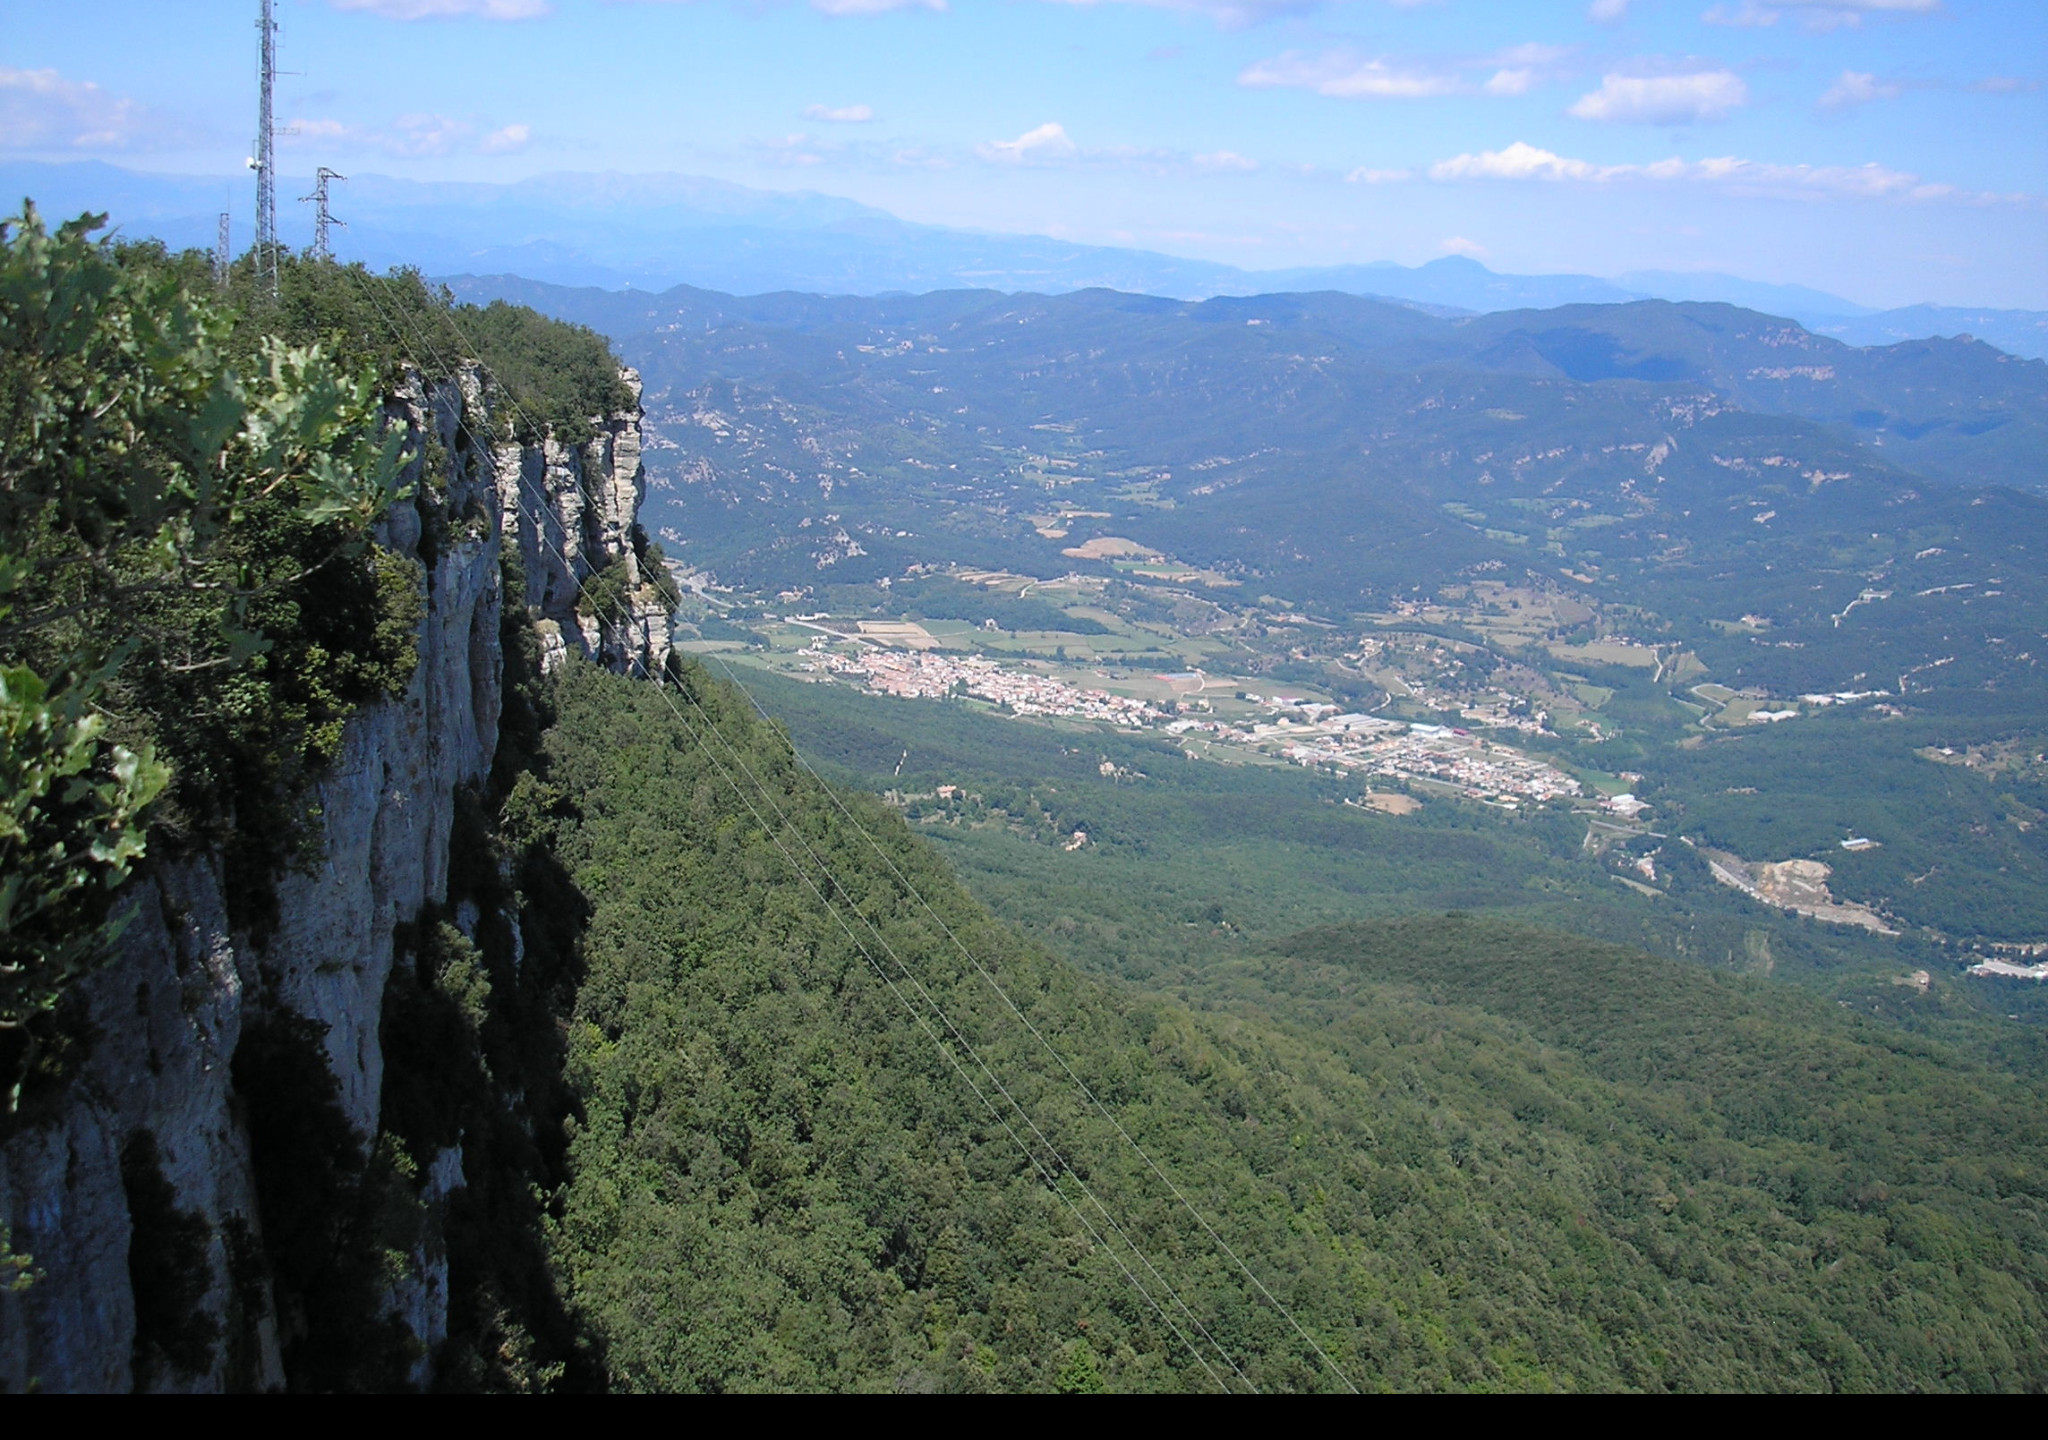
1460 1153
1958 409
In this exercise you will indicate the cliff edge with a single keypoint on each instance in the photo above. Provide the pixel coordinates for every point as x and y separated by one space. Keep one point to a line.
141 1187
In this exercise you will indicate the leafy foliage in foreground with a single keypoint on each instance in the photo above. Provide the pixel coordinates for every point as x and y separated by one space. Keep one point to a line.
184 577
1465 1154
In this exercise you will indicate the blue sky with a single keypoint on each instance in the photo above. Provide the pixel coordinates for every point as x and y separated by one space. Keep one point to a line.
1888 150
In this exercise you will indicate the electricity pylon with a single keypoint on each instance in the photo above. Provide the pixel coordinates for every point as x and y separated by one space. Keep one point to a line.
264 161
322 217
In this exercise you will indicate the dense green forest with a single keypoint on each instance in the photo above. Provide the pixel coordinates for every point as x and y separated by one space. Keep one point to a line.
1461 1153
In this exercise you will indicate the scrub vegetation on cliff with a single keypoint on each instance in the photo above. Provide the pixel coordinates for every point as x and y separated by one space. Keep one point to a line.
191 602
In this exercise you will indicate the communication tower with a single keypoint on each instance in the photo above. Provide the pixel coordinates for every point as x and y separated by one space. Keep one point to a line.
222 255
264 161
322 217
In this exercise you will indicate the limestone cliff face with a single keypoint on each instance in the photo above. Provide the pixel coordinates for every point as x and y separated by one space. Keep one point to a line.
574 509
145 1160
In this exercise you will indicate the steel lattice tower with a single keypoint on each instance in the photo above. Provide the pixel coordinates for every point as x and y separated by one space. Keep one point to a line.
264 161
322 217
222 255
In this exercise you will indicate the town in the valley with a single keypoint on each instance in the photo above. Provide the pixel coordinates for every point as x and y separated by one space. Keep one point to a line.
1307 732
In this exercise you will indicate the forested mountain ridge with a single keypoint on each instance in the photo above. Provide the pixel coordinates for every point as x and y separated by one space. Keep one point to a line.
1956 408
1696 462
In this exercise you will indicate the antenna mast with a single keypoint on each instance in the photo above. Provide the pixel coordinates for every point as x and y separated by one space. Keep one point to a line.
221 253
322 217
264 161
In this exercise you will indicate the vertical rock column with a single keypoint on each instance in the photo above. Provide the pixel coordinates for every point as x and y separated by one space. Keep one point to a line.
573 510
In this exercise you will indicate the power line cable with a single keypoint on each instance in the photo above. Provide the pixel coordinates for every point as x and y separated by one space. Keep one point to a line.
1063 1165
1108 1218
1050 1049
1091 1097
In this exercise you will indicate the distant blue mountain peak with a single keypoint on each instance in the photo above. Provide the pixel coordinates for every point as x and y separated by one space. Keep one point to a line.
654 231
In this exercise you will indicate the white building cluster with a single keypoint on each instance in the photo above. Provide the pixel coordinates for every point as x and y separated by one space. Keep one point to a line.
1306 732
918 675
1478 769
1369 745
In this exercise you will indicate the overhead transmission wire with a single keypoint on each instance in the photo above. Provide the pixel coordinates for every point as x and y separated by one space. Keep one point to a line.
990 978
1049 1047
1063 1165
1051 1177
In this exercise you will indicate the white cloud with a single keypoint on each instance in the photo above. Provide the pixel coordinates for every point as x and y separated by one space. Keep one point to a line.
1230 14
1524 162
1820 15
1607 12
449 9
1366 176
1345 75
1459 245
2004 85
410 136
506 140
1519 161
840 114
1049 145
1857 87
1866 182
1046 142
1663 99
41 110
873 7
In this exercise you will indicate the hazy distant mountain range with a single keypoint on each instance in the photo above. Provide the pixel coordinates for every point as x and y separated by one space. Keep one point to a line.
1944 408
652 232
